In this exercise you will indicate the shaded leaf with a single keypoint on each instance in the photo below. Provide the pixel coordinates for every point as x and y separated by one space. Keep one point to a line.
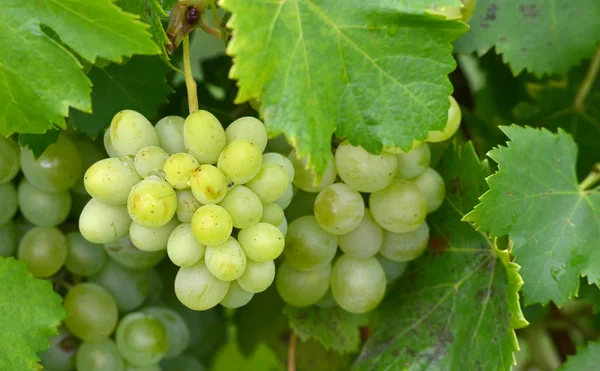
586 358
38 143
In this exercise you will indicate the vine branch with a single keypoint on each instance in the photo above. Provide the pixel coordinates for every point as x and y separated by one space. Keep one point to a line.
292 352
190 83
592 178
590 77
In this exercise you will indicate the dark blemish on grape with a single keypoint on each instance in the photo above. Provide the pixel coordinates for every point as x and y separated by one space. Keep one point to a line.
529 10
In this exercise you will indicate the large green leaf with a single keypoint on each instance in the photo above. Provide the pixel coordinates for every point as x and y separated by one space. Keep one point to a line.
39 78
587 358
372 71
29 314
457 306
535 197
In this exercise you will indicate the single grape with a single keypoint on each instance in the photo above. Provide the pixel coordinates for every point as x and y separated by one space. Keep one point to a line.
226 261
179 168
83 257
363 171
302 288
182 363
279 159
286 199
431 185
204 136
110 180
272 214
364 241
99 356
44 209
236 296
92 312
327 301
197 288
108 147
357 285
305 178
102 223
90 154
243 206
142 339
151 239
400 208
402 247
183 248
125 253
452 124
9 159
413 163
148 159
270 183
186 205
57 169
248 128
393 270
212 225
262 242
152 202
60 356
170 134
9 238
339 208
307 245
258 276
283 227
9 202
178 334
130 131
209 184
240 161
44 249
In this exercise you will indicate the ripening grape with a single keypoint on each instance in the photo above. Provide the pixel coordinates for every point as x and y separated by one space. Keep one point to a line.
204 136
304 178
183 248
262 242
339 208
286 199
99 356
110 180
44 250
454 117
283 227
258 276
148 159
272 214
130 131
142 339
108 147
212 225
44 209
279 159
402 247
365 240
209 184
236 296
431 185
307 245
357 285
302 288
90 154
399 208
393 270
92 312
270 183
151 239
9 202
178 169
225 261
413 163
152 202
9 238
102 223
9 159
240 161
83 257
125 253
197 288
61 353
170 134
248 128
186 205
178 334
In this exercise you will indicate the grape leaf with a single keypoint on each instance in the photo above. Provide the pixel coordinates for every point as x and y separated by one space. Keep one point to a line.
38 143
334 328
457 306
586 358
375 72
544 37
39 78
29 315
139 84
536 198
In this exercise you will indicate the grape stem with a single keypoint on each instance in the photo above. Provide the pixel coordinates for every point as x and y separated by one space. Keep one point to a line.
219 22
190 83
592 178
588 82
292 352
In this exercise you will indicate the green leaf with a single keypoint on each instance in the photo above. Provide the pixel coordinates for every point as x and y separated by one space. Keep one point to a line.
334 328
457 306
586 358
591 293
544 37
38 143
140 85
536 198
39 78
375 73
29 315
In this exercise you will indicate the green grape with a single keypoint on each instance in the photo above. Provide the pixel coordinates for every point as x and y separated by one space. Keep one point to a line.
179 168
148 159
262 242
170 134
125 253
364 241
9 159
357 285
157 287
130 131
339 208
363 171
393 270
57 169
99 356
327 301
83 257
142 339
93 312
413 163
209 184
399 208
102 223
272 214
248 128
452 124
151 239
225 261
258 276
286 199
402 247
178 334
240 161
307 245
90 154
212 225
152 202
183 248
204 136
236 296
270 183
9 202
283 227
305 178
243 206
186 205
9 237
431 185
182 363
279 159
41 208
108 147
302 288
60 356
44 249
197 288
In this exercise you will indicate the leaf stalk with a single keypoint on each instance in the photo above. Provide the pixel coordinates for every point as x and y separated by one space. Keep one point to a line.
588 82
